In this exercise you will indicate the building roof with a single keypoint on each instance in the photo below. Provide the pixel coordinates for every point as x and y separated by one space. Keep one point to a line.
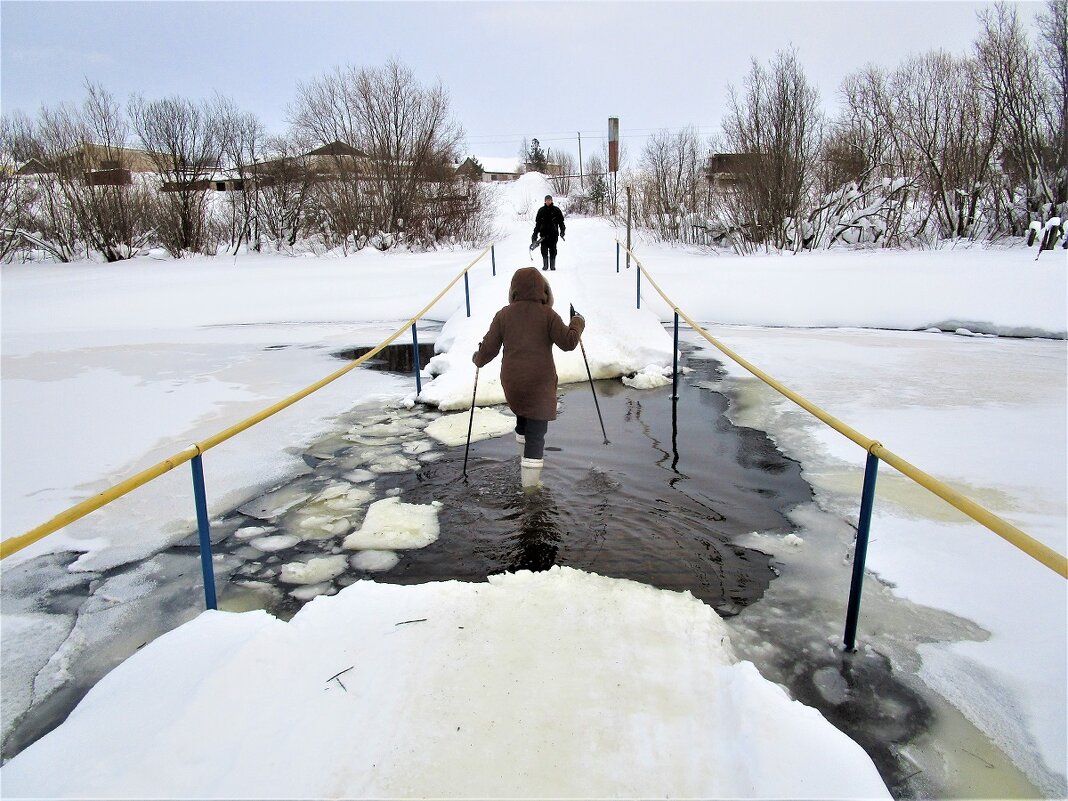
498 164
337 148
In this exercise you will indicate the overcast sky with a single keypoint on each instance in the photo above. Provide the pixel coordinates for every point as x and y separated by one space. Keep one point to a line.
513 70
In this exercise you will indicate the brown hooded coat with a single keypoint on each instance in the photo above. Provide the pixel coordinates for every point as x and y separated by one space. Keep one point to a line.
528 328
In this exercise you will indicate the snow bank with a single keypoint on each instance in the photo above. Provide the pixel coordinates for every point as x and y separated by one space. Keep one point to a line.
619 340
530 685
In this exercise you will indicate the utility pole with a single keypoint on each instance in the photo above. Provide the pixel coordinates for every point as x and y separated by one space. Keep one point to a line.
582 181
628 226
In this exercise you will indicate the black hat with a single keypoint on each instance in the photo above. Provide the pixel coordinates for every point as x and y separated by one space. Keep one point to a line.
548 197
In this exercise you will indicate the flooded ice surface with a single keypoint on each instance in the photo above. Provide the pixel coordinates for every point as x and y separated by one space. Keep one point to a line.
672 502
645 507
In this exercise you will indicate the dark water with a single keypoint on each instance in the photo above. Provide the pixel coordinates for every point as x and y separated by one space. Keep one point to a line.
394 358
660 504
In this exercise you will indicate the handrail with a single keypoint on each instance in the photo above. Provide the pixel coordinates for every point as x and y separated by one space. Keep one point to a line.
1004 529
80 510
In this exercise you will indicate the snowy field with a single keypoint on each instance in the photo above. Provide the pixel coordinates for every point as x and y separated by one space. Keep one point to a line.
109 368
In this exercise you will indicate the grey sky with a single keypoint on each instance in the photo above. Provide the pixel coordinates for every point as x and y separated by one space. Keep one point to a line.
513 70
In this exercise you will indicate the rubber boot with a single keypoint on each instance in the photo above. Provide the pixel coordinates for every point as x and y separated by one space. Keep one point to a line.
544 263
552 263
520 441
530 473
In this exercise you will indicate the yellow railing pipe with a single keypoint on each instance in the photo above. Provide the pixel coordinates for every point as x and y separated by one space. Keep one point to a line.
1025 542
80 510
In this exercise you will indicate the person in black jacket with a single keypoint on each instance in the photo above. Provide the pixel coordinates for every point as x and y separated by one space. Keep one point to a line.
547 223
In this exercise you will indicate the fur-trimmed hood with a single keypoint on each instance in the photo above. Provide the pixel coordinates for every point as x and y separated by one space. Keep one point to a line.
529 284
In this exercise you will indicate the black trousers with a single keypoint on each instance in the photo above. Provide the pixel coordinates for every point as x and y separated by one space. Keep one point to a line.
548 253
534 432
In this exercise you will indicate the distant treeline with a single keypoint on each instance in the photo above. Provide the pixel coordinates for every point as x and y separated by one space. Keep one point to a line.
942 146
369 159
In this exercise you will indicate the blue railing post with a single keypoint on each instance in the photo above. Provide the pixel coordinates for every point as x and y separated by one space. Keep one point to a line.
493 259
638 285
617 255
675 362
415 359
467 294
204 529
860 553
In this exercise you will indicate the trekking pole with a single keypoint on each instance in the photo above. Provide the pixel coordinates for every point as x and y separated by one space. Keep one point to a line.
470 424
590 376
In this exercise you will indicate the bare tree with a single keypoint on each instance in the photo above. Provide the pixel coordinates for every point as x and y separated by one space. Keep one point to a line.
937 117
671 180
1053 33
408 143
1011 80
185 141
562 182
775 121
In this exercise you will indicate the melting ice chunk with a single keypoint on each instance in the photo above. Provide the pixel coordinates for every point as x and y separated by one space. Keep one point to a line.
394 463
392 525
249 532
359 476
310 591
315 571
452 428
375 561
277 503
278 542
650 377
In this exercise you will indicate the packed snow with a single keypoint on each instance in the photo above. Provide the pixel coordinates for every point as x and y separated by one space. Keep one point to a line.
391 525
203 343
577 702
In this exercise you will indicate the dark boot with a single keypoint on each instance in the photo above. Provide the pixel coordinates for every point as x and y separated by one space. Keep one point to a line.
545 262
552 262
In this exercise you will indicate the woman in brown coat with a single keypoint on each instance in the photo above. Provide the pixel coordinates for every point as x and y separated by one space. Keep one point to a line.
528 328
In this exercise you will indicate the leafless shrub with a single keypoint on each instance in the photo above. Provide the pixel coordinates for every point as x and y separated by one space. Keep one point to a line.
776 122
671 183
394 174
565 179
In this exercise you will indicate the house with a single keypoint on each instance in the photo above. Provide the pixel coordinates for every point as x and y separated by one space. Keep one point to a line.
488 169
102 165
723 169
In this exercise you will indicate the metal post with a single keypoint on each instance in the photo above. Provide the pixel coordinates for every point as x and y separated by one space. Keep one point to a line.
415 360
582 180
617 255
628 227
467 294
860 553
493 258
675 362
638 283
204 530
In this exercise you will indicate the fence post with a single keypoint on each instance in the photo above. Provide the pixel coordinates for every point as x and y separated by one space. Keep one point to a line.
204 530
675 361
628 227
493 259
467 294
617 255
415 359
638 285
860 553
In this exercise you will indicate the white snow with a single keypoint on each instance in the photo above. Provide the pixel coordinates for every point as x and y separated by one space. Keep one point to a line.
579 703
279 542
651 377
391 525
107 369
451 429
